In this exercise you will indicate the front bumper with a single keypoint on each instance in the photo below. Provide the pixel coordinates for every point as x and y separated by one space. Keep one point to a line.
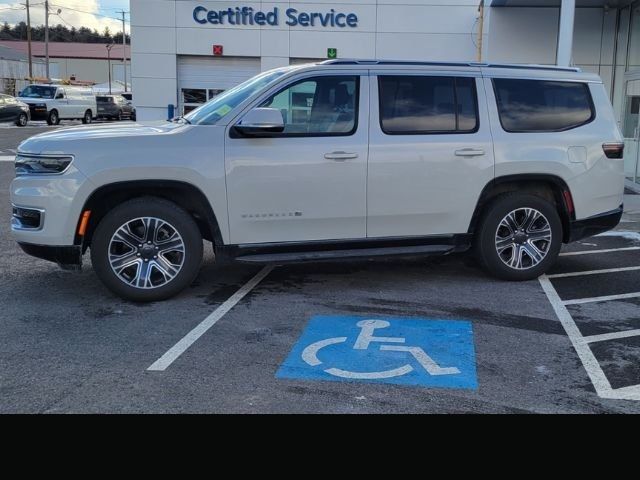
38 113
591 226
68 258
58 198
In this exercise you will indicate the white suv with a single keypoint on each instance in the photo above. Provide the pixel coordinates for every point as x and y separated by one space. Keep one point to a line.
341 159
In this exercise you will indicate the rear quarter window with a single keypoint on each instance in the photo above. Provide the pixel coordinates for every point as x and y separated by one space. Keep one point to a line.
527 106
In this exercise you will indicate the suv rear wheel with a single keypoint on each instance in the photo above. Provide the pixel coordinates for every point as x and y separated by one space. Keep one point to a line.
88 117
147 249
520 237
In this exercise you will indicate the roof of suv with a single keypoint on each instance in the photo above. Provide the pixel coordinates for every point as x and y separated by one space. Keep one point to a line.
486 69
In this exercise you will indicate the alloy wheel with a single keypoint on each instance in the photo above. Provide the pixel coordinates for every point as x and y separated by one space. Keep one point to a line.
146 253
523 238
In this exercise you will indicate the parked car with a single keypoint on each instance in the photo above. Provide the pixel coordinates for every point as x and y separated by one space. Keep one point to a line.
13 111
128 96
115 107
59 102
342 159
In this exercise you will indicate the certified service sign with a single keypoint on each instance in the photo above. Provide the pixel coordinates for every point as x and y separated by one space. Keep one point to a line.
291 17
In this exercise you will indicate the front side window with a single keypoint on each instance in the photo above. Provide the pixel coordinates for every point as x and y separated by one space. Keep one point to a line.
542 105
318 106
422 105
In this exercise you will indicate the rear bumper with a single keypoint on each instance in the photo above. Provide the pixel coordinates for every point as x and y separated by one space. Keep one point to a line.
594 225
68 258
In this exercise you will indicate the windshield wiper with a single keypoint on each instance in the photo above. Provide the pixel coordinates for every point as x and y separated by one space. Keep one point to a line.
181 119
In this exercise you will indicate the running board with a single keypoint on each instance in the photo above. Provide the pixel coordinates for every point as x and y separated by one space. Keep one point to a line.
345 254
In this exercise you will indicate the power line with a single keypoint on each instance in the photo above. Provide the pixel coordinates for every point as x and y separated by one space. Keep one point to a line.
84 11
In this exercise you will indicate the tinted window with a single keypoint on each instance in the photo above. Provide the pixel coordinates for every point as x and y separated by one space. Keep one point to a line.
103 99
542 106
427 104
318 106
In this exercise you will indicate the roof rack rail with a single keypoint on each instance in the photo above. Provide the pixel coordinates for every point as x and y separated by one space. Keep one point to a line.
451 64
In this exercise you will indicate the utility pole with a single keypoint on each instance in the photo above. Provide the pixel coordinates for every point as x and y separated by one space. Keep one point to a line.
29 42
109 47
124 47
46 35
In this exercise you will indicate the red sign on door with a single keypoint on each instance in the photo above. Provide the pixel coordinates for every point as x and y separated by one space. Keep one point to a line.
218 50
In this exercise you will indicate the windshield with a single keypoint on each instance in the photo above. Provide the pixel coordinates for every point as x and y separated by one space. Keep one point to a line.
38 91
221 105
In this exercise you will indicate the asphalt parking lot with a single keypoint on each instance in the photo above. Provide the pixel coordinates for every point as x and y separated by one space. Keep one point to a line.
233 342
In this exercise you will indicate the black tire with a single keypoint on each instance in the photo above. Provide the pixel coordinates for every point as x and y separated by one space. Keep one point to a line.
53 118
134 117
119 116
22 120
88 117
486 235
143 207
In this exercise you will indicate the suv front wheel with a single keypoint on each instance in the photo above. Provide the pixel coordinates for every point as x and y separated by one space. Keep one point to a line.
519 237
147 249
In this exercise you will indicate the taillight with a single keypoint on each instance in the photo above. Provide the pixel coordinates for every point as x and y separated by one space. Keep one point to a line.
613 150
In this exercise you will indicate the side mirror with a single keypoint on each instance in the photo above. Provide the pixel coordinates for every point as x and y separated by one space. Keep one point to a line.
60 96
261 122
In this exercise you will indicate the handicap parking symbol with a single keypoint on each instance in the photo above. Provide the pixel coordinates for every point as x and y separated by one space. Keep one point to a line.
403 351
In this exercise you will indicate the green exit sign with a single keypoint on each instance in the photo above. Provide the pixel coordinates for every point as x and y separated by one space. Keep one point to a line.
332 53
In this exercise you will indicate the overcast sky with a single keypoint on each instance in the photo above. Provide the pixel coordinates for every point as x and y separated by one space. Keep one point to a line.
77 13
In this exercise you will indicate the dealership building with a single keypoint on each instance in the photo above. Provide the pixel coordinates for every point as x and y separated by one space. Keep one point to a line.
185 52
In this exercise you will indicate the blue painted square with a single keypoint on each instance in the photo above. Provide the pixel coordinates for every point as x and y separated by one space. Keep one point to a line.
403 351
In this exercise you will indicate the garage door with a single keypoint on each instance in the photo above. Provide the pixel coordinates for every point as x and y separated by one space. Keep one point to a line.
202 78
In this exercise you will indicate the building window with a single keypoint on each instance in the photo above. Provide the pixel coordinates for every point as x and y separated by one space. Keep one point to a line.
423 105
542 106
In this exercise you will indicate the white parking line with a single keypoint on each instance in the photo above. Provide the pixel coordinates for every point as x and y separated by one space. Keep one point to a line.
606 298
589 361
179 348
4 158
611 336
594 272
590 252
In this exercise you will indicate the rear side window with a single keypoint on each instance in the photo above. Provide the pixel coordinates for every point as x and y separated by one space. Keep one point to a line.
542 106
421 105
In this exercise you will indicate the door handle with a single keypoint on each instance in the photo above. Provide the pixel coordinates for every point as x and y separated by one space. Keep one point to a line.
340 156
469 152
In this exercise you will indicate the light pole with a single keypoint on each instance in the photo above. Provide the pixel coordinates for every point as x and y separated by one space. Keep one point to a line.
109 47
29 42
124 48
46 34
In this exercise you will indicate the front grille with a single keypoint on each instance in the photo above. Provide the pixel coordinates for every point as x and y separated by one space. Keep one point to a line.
27 218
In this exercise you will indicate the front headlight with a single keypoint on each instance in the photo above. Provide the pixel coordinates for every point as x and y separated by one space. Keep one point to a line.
42 164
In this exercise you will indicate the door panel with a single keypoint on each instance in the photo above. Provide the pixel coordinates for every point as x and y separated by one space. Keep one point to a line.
426 183
304 185
62 105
